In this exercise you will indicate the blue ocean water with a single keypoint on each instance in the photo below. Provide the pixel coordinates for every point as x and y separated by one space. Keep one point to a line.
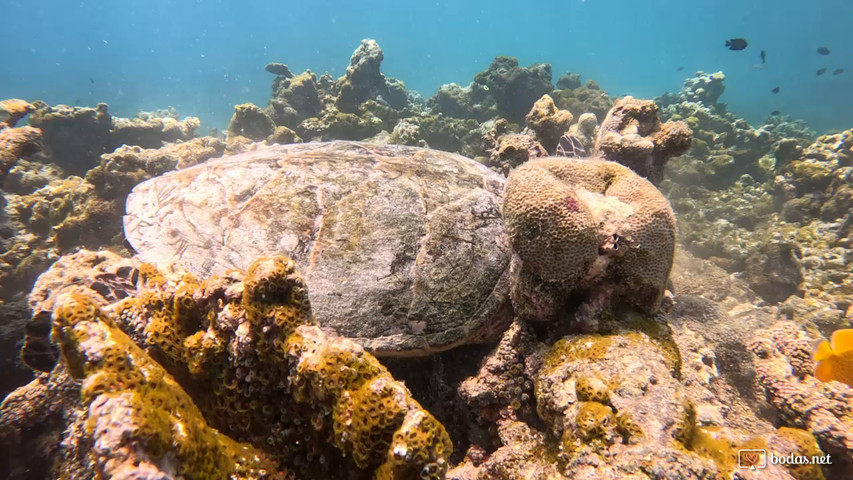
204 56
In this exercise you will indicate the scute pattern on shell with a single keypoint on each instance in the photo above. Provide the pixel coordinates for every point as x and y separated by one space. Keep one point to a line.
403 248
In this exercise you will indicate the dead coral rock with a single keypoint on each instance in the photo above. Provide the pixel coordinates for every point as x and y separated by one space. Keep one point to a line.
76 137
28 176
521 456
250 121
283 135
295 98
569 81
16 143
582 99
13 321
151 131
824 409
363 81
585 131
515 88
122 169
705 88
334 125
508 150
549 122
13 110
632 135
818 183
473 101
42 430
502 386
773 270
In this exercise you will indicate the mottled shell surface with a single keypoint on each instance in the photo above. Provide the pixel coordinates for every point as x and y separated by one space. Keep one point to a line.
403 248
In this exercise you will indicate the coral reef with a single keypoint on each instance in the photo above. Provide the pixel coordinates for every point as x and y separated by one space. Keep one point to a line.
75 137
66 213
508 150
705 88
783 366
363 81
582 99
515 89
140 421
295 98
16 143
569 81
251 121
549 122
586 225
238 353
632 135
13 110
473 101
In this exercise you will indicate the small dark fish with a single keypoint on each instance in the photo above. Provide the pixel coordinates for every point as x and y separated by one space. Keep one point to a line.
77 101
736 44
823 51
838 71
678 69
775 112
775 90
763 56
91 80
820 72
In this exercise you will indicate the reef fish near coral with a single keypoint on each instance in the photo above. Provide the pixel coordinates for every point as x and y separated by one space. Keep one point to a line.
736 44
823 51
834 358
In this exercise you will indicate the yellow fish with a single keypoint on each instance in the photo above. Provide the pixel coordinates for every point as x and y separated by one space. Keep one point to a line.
835 357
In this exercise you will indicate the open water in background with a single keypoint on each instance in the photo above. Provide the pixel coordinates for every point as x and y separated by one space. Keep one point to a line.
205 56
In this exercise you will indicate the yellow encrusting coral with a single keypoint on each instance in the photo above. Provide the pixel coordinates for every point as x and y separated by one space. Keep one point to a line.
247 350
138 415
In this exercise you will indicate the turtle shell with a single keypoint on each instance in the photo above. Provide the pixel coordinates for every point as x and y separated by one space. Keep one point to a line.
403 248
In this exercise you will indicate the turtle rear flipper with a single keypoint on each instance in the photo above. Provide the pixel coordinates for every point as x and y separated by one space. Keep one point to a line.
570 146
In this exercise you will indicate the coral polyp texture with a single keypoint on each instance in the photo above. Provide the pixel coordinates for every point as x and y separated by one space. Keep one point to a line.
141 422
235 359
581 225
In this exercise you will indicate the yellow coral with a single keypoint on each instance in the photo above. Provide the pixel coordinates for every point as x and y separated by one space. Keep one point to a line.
137 412
254 357
806 446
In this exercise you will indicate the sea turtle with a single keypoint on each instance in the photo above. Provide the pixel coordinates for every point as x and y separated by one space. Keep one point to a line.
403 248
409 250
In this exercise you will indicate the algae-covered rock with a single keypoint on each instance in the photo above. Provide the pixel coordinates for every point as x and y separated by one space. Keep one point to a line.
632 135
515 89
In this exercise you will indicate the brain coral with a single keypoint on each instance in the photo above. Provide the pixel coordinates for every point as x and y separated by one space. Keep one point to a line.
577 224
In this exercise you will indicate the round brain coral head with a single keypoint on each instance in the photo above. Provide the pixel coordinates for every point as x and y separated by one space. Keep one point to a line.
585 224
